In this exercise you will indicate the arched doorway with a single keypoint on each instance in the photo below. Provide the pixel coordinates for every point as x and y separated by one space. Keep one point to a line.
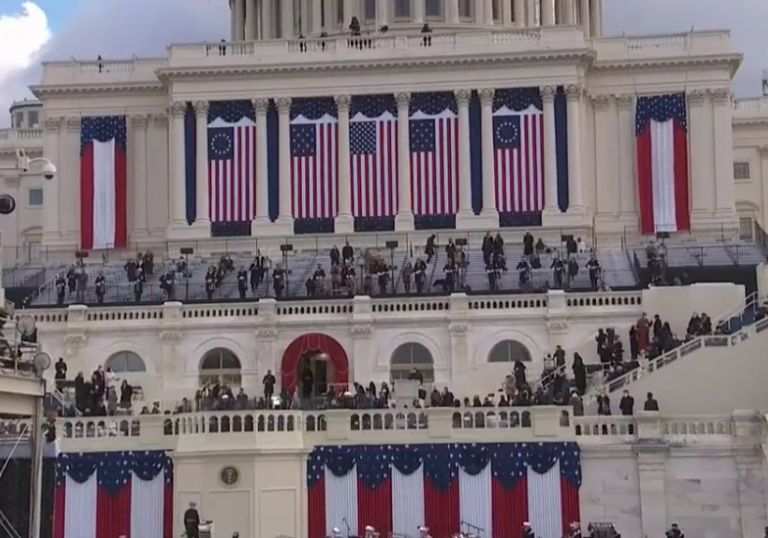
409 357
221 366
509 351
316 354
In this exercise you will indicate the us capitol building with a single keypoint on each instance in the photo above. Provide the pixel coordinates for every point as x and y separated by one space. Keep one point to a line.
379 123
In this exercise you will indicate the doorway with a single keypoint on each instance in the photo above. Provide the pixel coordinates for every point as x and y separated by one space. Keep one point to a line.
314 373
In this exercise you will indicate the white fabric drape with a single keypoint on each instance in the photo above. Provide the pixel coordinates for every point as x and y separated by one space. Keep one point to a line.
663 170
147 505
341 502
103 194
475 502
545 503
407 501
80 508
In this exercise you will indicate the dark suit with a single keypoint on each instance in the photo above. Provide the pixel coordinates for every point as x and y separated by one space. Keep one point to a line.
191 523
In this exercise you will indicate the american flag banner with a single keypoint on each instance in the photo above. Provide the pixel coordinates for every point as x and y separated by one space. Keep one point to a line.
103 183
518 143
373 156
662 163
231 161
434 150
490 489
111 494
314 158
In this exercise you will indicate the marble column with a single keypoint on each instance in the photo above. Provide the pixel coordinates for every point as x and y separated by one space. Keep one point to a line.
139 224
418 11
763 151
317 17
547 12
550 151
232 21
597 18
51 138
286 19
178 191
452 8
69 167
285 215
239 20
627 161
267 19
262 168
488 12
532 13
345 222
490 209
382 13
506 13
701 137
585 16
465 163
653 495
519 14
349 11
575 199
607 162
404 219
203 213
569 14
722 118
251 20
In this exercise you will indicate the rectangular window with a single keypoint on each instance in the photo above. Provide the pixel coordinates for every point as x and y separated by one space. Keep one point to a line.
402 9
433 9
369 10
465 9
35 197
18 120
34 119
741 171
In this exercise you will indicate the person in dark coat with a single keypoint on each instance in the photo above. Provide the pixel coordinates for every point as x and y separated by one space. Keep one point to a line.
429 249
579 374
527 531
527 244
650 403
192 521
242 282
634 348
347 253
627 404
487 248
101 287
519 374
61 372
269 385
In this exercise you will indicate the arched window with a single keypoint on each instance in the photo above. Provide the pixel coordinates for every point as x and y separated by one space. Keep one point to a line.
509 351
125 362
220 365
410 356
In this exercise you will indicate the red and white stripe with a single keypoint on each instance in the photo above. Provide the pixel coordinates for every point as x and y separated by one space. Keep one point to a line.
314 177
434 174
232 182
519 172
374 176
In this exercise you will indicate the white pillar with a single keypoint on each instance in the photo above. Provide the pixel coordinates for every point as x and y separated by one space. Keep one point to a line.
317 17
262 167
532 14
284 114
286 22
575 200
249 32
239 20
178 192
382 13
452 7
345 222
547 12
203 214
627 179
349 12
488 12
651 470
723 121
139 224
585 16
550 151
418 11
606 162
569 15
702 163
465 165
267 20
489 181
232 21
519 14
404 220
763 151
597 18
51 136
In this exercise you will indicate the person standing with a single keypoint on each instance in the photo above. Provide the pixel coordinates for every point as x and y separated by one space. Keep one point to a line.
269 385
627 404
101 287
407 274
650 403
420 275
429 249
192 521
61 373
579 374
527 244
242 283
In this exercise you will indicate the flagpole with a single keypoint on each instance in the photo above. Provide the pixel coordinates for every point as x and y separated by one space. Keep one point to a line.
36 479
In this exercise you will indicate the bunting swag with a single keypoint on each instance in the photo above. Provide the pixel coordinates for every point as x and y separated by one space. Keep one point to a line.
373 156
518 141
314 158
662 163
114 494
231 162
434 150
103 183
488 489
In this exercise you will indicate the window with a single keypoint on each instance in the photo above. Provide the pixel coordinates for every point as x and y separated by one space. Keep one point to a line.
410 356
402 9
125 362
19 120
465 9
35 197
220 366
509 351
741 171
433 9
33 119
369 10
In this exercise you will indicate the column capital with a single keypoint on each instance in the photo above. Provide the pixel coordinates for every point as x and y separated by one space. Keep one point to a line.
573 91
52 125
342 101
548 93
178 109
763 150
624 100
720 95
139 122
161 120
403 98
260 105
486 95
463 96
74 123
284 104
696 97
601 102
202 108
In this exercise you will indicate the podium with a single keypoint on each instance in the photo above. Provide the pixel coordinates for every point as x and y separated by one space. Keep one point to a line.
406 391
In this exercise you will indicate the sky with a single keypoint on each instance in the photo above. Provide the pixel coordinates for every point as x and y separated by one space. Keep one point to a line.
32 31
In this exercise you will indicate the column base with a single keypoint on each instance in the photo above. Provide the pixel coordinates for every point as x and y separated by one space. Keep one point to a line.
260 227
404 222
182 231
282 226
484 221
344 224
575 217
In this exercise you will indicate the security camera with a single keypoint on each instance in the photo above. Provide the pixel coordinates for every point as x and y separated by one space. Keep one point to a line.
49 170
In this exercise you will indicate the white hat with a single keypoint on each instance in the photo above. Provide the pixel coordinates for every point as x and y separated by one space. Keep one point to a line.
526 524
423 528
368 528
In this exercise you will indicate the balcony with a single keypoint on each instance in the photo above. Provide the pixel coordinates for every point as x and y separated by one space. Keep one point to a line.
29 139
298 430
73 74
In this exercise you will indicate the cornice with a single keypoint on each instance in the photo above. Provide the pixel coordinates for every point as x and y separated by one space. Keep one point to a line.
752 121
116 88
732 60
